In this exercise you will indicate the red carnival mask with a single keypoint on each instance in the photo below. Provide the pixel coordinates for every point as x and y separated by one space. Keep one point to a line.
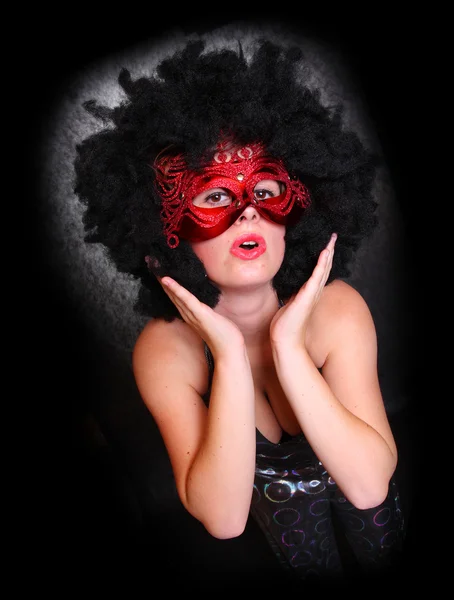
234 169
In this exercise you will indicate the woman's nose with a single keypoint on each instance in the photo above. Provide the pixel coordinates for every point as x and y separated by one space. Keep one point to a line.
249 213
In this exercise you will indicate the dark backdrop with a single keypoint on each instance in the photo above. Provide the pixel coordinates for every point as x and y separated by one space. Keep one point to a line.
92 513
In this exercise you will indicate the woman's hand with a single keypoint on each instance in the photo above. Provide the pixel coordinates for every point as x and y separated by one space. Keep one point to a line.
290 322
221 334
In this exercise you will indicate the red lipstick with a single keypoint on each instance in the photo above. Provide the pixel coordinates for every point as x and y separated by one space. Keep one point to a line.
248 251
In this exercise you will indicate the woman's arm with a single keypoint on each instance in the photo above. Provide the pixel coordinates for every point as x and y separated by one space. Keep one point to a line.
342 413
212 451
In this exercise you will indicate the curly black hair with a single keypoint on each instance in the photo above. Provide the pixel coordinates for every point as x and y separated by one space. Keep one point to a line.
195 96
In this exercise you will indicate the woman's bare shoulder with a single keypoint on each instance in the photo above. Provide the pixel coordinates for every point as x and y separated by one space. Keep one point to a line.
340 311
341 295
160 330
171 346
342 303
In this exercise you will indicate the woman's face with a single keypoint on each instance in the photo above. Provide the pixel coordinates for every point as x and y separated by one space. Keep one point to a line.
251 250
201 205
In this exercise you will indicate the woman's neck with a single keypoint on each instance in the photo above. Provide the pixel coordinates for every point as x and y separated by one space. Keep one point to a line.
251 310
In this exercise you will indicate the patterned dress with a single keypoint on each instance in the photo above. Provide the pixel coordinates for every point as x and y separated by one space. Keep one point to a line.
307 519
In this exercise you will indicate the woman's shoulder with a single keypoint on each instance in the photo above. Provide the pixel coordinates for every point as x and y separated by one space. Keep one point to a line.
342 296
163 336
341 310
173 346
343 305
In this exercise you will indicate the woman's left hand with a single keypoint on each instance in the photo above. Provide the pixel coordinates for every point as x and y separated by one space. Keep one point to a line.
289 324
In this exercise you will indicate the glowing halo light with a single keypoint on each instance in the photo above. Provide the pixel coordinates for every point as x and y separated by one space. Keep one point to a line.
389 538
286 517
304 471
277 488
319 507
322 526
313 487
385 515
293 533
355 523
301 558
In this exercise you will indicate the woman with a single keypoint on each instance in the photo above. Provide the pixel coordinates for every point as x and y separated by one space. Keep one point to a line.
238 200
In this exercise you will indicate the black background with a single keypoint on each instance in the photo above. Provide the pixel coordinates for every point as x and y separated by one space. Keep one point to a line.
385 52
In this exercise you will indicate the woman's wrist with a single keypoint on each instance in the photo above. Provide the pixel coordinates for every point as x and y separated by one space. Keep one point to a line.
231 353
290 354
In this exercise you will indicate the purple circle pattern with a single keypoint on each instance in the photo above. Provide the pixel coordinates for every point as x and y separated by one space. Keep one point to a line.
294 500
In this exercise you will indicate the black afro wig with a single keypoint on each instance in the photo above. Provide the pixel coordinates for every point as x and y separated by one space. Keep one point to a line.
194 96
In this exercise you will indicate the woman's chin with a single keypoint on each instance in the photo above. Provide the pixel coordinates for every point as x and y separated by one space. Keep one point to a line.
243 279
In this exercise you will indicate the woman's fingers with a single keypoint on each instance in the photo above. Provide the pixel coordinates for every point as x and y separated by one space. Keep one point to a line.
316 282
217 331
187 304
326 262
178 295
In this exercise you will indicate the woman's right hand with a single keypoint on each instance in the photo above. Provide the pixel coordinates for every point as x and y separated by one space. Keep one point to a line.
221 334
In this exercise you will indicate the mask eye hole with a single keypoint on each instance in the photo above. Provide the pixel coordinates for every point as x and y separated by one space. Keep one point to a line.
268 188
213 198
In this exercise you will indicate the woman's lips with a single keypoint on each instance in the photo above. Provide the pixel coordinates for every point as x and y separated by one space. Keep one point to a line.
254 252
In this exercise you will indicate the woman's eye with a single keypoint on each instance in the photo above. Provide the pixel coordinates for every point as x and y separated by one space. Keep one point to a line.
217 198
213 198
267 189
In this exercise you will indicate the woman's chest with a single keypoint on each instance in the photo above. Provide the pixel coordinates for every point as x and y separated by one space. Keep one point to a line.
273 412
